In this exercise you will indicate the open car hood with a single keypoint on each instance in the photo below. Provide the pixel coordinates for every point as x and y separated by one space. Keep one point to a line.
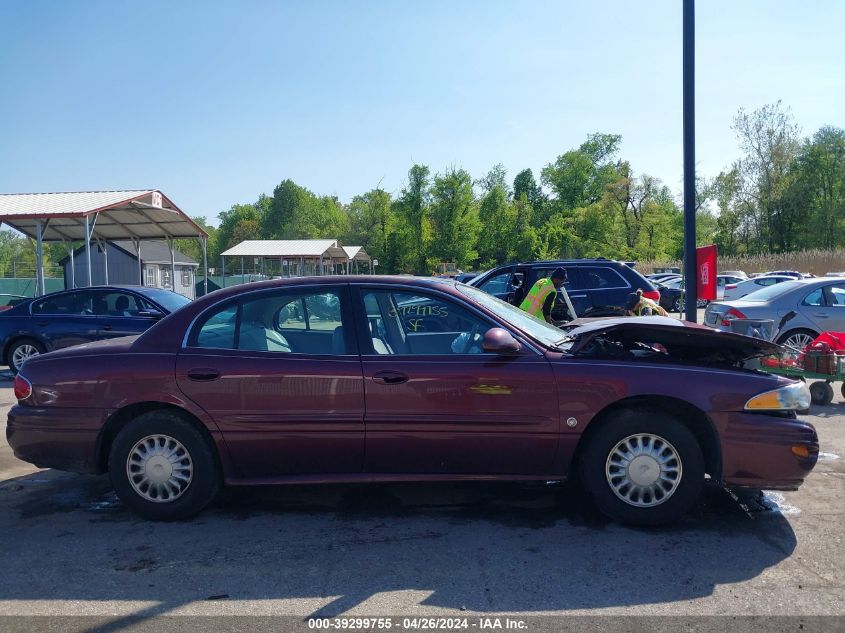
681 341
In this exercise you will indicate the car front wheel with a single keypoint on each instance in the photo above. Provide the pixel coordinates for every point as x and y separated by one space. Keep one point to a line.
163 467
642 468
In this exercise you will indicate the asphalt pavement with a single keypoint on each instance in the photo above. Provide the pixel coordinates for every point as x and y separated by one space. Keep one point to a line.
71 548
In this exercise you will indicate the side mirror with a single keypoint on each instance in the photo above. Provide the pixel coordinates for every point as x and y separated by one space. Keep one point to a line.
499 341
151 314
517 280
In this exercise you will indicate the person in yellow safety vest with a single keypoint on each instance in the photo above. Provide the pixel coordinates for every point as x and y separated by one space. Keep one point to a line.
541 298
638 305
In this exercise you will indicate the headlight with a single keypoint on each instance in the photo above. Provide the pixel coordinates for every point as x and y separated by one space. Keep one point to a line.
794 397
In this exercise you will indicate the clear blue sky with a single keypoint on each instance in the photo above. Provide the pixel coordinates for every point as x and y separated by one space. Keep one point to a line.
217 102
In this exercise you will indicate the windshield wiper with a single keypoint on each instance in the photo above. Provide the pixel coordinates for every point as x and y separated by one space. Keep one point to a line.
561 342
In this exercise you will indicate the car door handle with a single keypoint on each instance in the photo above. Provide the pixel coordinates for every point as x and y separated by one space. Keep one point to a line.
390 377
41 323
821 315
106 327
203 374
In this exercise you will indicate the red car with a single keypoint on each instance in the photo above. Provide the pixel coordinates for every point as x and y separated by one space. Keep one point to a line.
340 379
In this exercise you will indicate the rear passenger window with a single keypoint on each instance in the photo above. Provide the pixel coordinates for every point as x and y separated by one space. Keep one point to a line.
602 278
71 303
302 323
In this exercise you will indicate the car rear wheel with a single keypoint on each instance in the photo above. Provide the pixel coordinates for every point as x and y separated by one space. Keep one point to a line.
163 467
23 350
797 339
642 468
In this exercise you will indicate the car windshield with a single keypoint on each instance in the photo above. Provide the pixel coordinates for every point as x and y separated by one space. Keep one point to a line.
170 301
770 292
543 332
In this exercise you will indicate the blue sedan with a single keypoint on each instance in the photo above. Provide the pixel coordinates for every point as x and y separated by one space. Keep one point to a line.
73 317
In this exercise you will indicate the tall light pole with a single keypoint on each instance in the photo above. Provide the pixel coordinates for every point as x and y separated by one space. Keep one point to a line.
690 269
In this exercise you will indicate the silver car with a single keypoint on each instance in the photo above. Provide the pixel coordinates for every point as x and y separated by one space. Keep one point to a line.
819 306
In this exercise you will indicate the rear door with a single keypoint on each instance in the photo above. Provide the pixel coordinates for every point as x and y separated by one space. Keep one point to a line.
284 385
835 307
606 288
437 403
65 319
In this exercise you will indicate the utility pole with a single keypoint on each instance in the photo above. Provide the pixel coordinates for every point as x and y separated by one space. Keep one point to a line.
690 268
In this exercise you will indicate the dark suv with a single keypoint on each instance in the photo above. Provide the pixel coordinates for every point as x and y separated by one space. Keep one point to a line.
596 287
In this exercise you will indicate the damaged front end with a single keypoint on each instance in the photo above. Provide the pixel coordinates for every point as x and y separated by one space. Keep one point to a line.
664 340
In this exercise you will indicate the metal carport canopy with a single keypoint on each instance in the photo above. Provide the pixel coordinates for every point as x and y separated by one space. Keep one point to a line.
103 215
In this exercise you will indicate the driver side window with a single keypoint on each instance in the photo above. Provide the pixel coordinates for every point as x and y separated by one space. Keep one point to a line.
420 324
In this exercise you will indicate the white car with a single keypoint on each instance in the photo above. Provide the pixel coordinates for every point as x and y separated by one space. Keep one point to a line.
742 288
724 280
735 273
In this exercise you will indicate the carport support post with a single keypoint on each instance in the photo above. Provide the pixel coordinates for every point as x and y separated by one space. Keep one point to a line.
39 254
105 247
172 265
72 265
140 263
204 243
690 268
88 248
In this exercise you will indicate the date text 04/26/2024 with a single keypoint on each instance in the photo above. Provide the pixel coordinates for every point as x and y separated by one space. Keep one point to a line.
416 624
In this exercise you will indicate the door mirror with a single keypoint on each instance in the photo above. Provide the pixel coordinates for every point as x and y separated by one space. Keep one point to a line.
499 341
517 280
151 314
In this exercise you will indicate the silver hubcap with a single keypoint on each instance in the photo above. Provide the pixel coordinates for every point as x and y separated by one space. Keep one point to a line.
643 470
798 341
22 353
159 468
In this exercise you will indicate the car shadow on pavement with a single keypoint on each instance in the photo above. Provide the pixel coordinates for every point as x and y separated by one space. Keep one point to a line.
375 549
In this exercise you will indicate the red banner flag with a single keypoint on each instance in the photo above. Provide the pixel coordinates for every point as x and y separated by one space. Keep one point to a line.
705 259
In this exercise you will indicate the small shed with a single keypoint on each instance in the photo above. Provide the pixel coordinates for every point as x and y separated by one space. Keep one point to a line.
121 258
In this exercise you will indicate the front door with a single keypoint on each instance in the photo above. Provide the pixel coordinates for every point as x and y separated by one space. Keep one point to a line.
279 373
437 403
122 313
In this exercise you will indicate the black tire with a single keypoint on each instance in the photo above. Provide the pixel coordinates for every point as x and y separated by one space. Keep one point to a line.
594 457
205 479
821 393
20 343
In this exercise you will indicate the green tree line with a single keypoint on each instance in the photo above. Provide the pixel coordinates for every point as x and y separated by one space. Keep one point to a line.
785 193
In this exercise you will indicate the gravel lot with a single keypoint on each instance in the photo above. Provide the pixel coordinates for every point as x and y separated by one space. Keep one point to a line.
71 548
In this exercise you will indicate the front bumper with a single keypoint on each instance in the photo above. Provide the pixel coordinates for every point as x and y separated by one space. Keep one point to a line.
757 450
60 438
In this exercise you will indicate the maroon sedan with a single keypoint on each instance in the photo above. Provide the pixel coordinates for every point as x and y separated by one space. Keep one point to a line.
403 379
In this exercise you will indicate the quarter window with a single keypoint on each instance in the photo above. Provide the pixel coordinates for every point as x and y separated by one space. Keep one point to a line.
815 298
